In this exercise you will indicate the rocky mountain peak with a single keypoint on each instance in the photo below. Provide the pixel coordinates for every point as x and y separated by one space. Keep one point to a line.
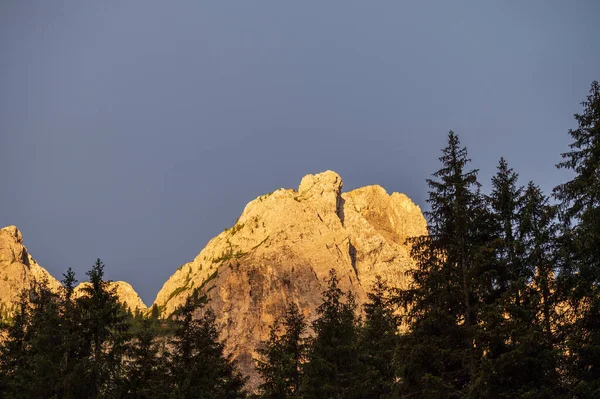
14 232
282 247
18 270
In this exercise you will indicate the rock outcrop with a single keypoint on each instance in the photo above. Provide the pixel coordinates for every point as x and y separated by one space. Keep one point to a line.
281 250
125 294
18 270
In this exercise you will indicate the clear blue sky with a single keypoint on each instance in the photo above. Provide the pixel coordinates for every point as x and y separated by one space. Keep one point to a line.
135 131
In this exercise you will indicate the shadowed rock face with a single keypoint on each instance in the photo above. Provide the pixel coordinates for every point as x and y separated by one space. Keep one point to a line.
281 250
18 270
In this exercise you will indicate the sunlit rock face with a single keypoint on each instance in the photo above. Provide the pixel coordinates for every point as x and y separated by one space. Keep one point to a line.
18 270
281 250
125 294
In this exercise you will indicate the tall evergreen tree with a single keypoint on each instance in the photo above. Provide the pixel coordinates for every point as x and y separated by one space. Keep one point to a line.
439 354
378 339
517 360
283 355
75 349
13 350
579 277
199 367
103 328
145 373
34 339
333 369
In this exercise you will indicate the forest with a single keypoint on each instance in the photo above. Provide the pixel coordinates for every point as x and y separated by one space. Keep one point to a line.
504 302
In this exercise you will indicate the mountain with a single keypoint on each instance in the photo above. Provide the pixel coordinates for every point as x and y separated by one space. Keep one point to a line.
125 293
18 270
281 250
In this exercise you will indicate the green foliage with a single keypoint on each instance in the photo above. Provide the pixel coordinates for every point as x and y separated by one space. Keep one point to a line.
282 356
229 253
442 300
377 342
176 292
332 369
579 277
58 346
504 302
199 367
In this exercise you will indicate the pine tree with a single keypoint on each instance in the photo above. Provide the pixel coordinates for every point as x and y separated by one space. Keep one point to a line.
378 339
103 327
537 232
75 350
439 354
34 339
146 366
518 356
13 350
199 367
579 277
333 369
283 355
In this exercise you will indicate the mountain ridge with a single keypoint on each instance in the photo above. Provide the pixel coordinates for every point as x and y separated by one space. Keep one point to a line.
281 249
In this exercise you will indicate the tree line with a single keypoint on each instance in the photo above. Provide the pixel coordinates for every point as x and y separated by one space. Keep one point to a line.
504 299
504 302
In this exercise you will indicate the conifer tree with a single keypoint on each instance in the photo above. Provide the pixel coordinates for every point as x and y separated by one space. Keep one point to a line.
579 277
74 345
378 339
518 356
282 356
103 328
34 339
439 354
199 367
333 369
145 373
13 350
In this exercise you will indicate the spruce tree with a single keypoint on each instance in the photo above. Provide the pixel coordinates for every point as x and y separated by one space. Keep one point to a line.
518 356
199 367
378 339
13 350
579 277
34 339
439 353
103 329
333 369
282 356
75 348
145 373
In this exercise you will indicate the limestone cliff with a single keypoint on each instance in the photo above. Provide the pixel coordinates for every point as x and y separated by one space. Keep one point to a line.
282 248
125 294
18 270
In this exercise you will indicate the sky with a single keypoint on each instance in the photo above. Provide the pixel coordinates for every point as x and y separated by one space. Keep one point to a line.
135 131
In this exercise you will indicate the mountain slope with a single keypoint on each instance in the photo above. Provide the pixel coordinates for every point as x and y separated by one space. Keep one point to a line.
282 248
18 270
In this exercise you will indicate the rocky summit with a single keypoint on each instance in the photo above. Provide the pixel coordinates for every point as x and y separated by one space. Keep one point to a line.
18 270
281 249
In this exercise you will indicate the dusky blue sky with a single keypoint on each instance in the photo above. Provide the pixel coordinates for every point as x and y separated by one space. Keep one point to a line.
135 131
